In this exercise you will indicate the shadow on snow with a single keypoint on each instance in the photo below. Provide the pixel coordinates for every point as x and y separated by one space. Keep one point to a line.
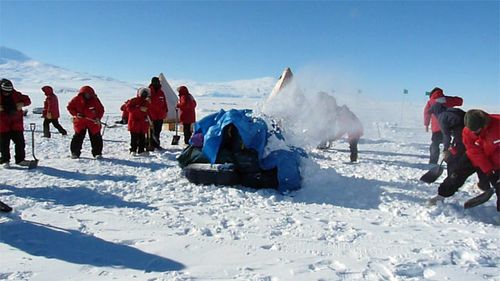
83 177
72 196
75 247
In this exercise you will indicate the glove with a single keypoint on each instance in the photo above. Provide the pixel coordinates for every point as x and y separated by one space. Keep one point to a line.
48 116
426 129
19 105
143 108
79 115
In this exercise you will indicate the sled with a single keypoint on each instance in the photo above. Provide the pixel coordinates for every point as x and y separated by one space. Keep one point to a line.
218 174
433 174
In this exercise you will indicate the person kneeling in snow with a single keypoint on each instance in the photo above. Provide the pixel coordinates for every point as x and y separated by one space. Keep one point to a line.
138 120
11 123
87 111
481 137
451 123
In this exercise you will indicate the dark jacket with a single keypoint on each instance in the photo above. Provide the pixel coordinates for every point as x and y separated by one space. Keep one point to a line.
451 122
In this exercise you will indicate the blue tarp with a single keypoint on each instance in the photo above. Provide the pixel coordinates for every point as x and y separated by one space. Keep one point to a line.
254 134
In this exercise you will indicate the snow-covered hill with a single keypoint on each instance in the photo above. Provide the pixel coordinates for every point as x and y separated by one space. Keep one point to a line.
138 218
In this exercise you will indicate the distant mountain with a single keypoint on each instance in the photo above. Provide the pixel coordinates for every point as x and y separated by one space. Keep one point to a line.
7 54
29 75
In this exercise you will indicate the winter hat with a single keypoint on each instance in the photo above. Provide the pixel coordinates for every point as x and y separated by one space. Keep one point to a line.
143 92
47 90
475 119
183 90
155 80
87 90
6 85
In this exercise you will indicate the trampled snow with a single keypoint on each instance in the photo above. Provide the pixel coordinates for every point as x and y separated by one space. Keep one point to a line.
138 218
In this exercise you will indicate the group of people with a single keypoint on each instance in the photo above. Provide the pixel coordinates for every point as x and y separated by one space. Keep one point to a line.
471 144
145 113
471 140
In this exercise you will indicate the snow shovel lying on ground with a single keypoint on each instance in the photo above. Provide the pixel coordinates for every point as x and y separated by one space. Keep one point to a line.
175 140
480 199
4 207
433 174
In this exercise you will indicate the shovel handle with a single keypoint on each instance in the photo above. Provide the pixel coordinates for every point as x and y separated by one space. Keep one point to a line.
32 127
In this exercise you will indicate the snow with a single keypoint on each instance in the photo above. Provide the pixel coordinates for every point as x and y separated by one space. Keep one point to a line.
138 218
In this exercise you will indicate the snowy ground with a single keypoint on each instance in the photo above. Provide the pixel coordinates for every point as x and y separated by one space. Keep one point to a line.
138 218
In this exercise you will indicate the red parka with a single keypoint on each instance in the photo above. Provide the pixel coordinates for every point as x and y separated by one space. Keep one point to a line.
124 110
137 119
14 121
158 109
484 150
90 110
51 104
446 100
187 105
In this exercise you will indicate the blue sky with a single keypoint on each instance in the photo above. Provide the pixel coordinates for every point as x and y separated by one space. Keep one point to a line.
381 46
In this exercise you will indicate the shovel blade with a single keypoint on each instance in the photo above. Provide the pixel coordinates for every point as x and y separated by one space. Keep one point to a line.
175 140
432 175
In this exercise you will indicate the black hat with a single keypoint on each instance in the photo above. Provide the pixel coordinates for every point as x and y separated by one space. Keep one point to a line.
6 85
155 80
475 119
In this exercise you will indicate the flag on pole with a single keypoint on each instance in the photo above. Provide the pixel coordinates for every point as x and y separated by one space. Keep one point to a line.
405 91
428 94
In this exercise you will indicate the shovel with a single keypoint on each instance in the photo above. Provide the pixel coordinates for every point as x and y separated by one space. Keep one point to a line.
433 174
33 163
175 140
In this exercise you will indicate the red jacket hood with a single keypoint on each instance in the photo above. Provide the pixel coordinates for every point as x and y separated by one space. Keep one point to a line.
437 93
48 90
86 89
183 90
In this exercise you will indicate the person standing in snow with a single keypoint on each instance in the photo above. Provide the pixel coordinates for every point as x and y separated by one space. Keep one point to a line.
435 96
158 110
346 122
51 112
87 111
451 122
481 137
11 123
187 106
138 120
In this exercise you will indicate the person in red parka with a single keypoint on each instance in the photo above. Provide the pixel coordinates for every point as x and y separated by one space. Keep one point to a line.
11 123
51 112
138 120
124 118
435 96
481 137
187 106
87 111
158 110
